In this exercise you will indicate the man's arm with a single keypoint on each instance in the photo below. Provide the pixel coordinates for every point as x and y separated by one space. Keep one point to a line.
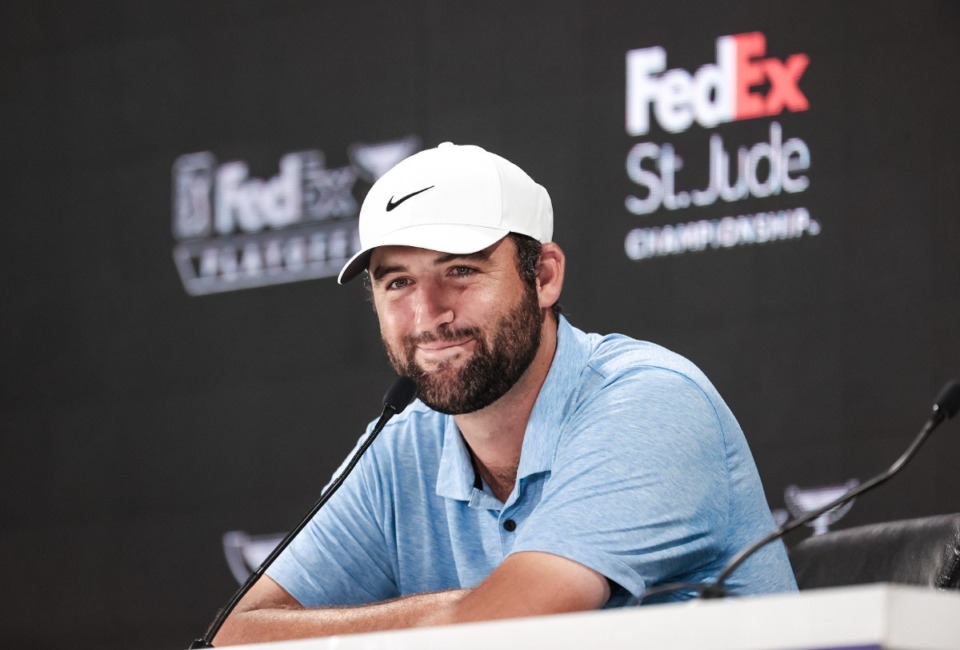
525 584
269 613
528 584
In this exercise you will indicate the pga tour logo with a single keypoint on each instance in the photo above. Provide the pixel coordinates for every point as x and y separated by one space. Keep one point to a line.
730 89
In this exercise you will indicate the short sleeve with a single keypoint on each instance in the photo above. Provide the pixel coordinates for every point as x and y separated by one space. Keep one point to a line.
341 557
638 489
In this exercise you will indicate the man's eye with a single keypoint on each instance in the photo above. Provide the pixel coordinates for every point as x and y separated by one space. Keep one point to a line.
462 271
399 283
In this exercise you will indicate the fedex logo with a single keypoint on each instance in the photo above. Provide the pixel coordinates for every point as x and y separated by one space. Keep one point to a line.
728 90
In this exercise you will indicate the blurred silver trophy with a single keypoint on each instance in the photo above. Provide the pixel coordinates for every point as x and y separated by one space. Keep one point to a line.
245 553
800 501
371 161
780 516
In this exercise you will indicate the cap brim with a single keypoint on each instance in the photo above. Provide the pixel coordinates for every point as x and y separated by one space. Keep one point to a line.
456 239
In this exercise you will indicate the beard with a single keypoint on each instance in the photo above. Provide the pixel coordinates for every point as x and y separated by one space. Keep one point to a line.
500 358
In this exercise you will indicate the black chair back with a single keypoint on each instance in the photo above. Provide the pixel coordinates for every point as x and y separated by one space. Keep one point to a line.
923 551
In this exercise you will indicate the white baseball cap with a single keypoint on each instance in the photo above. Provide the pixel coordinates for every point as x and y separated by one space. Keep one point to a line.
453 199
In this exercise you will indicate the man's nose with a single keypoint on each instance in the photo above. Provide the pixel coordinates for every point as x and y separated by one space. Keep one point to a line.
434 306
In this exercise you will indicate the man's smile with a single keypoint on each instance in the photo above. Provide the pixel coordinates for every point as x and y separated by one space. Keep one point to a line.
433 346
441 353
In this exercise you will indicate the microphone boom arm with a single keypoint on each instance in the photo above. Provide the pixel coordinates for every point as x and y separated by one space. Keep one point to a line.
396 399
716 589
945 407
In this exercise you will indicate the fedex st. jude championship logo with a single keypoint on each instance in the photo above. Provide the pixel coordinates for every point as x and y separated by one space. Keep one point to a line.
743 83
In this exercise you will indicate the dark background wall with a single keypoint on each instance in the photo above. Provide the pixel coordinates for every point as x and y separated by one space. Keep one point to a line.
139 423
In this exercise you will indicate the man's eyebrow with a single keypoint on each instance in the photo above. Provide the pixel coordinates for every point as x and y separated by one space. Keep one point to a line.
381 271
480 256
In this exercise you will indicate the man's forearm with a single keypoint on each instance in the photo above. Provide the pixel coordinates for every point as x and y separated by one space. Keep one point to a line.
254 624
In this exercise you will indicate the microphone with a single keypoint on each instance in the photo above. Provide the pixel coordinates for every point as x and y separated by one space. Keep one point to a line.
397 398
947 403
945 407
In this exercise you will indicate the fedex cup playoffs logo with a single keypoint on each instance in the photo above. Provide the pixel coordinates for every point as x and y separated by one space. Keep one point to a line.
742 83
237 231
717 92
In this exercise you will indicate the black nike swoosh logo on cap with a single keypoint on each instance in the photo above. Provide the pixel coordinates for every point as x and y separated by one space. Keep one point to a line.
391 204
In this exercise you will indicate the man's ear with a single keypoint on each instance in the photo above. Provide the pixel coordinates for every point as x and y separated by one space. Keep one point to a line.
550 270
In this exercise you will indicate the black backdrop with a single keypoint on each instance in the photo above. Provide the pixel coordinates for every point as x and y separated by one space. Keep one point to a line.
139 422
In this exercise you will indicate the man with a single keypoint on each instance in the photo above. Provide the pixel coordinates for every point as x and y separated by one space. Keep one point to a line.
543 470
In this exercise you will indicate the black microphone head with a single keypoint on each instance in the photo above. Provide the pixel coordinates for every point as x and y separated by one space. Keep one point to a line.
948 401
400 395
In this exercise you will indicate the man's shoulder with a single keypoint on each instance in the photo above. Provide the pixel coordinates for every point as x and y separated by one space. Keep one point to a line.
618 355
617 365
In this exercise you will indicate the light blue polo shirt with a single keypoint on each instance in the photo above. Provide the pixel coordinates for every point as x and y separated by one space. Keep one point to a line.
631 465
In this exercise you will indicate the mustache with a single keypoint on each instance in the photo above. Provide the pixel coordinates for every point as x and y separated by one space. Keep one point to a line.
442 334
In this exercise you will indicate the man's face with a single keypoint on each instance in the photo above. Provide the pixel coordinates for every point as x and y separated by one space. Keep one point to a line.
463 327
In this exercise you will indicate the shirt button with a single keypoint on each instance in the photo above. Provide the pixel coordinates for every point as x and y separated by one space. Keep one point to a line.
510 525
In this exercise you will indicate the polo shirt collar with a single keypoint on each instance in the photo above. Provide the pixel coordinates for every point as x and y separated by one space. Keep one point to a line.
455 475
